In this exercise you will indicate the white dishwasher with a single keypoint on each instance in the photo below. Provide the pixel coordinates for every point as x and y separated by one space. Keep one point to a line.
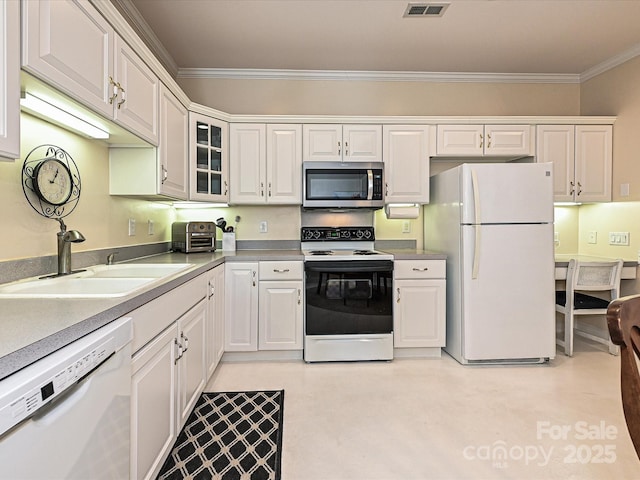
68 415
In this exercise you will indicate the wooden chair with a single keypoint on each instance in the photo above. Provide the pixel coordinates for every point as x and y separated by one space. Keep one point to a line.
587 277
623 319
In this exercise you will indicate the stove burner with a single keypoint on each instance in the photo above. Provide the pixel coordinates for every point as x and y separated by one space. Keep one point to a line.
364 252
321 252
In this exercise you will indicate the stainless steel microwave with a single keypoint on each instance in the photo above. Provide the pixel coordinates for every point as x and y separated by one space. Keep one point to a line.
343 185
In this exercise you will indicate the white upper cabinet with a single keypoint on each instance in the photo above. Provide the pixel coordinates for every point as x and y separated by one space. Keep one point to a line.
265 164
173 150
136 104
479 140
208 159
581 157
9 80
406 163
342 143
247 162
284 164
69 45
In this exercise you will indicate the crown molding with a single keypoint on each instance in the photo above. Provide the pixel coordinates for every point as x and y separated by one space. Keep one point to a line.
380 76
610 63
140 26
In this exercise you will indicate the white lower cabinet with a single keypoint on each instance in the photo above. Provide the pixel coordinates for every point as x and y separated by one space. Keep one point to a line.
263 305
192 367
241 307
215 319
419 303
153 404
168 373
280 306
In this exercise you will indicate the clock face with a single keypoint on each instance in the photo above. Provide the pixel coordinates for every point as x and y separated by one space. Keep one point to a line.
52 181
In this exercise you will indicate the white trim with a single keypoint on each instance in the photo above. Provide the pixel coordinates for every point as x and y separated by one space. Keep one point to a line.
610 63
133 16
375 76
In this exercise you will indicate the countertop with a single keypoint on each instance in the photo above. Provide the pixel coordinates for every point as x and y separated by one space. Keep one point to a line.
34 328
562 259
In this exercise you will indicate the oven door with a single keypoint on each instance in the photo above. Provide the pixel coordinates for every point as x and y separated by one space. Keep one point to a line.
348 297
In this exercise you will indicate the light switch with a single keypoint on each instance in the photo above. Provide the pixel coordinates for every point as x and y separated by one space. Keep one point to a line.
593 237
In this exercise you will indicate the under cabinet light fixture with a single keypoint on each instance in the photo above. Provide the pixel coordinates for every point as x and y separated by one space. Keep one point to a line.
195 205
47 111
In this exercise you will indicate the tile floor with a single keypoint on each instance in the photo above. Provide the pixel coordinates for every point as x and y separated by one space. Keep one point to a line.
435 419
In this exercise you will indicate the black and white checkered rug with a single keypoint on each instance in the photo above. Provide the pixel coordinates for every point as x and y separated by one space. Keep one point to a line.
235 435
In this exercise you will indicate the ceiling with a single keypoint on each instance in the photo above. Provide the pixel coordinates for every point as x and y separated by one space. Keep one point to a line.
563 37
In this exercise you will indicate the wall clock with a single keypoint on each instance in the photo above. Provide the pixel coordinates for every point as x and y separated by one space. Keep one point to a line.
51 181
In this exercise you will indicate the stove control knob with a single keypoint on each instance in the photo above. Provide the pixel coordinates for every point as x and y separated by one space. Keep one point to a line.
359 233
345 234
316 234
367 234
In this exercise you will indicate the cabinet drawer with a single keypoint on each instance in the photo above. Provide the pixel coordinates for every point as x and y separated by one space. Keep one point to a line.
281 270
153 317
419 269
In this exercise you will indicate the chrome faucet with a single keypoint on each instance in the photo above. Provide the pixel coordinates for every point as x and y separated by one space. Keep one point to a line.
65 239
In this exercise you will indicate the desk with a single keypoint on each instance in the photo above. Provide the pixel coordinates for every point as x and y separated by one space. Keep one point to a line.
629 268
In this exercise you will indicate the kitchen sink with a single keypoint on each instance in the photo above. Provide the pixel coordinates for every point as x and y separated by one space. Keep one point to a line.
129 270
101 281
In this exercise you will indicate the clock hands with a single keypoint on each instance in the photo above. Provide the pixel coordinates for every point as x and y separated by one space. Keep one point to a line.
54 177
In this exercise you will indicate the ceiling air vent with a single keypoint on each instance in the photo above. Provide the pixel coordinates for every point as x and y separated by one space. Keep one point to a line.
425 9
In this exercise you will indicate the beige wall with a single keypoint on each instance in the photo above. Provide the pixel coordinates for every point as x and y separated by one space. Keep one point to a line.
617 92
342 97
102 219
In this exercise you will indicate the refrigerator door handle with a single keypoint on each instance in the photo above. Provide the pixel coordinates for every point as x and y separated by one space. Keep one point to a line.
476 208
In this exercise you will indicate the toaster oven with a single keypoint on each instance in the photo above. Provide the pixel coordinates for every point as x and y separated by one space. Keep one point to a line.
189 237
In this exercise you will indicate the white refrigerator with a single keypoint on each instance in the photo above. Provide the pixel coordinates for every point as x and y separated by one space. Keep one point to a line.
495 223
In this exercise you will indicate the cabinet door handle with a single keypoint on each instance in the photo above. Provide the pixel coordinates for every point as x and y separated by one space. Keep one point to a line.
165 175
115 90
269 188
299 297
262 189
225 187
254 278
416 269
579 188
398 296
481 140
386 189
186 343
178 351
346 148
280 270
211 290
573 188
489 141
339 149
123 96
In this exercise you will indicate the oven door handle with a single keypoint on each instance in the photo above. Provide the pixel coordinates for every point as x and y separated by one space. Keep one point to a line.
349 267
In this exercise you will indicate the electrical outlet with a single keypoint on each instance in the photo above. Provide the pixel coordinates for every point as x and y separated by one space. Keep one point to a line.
132 227
406 226
151 227
556 239
593 237
263 227
624 189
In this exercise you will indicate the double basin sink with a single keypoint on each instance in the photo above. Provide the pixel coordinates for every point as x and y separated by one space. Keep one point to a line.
100 281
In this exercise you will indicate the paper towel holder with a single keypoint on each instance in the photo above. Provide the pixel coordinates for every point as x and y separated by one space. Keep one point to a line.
402 210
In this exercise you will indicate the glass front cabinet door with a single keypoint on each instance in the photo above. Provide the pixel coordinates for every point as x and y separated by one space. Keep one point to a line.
209 159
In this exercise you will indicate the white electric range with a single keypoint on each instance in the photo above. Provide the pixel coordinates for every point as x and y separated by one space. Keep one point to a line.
348 295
